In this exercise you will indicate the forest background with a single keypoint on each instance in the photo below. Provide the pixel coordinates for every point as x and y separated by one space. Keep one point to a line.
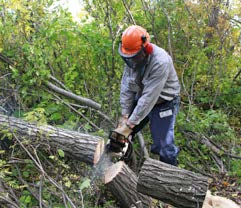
41 43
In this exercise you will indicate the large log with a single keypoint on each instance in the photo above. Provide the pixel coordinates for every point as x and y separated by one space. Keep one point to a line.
172 185
84 147
122 181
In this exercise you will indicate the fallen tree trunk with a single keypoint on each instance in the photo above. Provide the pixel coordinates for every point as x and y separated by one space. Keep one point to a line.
83 147
122 181
172 185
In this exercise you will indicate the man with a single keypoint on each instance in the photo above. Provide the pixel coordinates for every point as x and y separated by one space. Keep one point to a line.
149 92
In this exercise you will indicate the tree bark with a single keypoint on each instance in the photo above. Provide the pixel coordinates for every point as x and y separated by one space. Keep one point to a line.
172 185
122 181
83 147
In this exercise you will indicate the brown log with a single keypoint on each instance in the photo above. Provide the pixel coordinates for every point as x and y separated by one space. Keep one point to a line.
122 181
172 185
84 147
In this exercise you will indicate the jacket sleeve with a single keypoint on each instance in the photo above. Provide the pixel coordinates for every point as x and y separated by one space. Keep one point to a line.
152 89
127 95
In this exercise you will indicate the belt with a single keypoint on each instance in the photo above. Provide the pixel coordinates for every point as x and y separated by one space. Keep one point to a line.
162 100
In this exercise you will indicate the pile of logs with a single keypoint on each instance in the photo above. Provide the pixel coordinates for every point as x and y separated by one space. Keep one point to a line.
158 180
170 184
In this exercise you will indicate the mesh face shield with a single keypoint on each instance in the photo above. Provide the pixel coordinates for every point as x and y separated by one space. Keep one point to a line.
135 60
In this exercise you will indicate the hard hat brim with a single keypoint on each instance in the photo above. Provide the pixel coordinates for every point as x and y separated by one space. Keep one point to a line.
126 54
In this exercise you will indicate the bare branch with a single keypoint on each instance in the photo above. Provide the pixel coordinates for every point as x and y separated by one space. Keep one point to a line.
58 82
237 75
28 187
129 12
6 59
82 100
40 167
5 75
213 147
6 197
79 113
169 30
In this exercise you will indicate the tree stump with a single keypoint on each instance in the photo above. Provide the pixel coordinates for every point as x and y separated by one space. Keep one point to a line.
172 185
83 147
122 181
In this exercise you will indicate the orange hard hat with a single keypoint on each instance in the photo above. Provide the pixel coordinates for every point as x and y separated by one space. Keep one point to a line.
133 39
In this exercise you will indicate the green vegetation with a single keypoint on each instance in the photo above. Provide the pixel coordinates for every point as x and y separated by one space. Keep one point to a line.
39 45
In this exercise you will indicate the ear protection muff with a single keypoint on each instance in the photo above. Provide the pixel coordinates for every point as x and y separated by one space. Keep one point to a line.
148 48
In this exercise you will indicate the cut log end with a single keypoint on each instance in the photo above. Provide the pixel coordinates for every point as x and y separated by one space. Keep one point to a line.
99 151
121 181
113 171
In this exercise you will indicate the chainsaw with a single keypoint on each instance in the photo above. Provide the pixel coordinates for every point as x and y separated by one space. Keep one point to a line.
119 146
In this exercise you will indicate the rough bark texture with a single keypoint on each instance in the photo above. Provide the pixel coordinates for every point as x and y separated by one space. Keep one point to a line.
172 185
83 147
122 181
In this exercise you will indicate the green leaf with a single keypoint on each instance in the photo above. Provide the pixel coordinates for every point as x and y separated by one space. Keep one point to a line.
28 199
2 152
56 116
52 157
68 184
26 174
60 152
85 184
25 199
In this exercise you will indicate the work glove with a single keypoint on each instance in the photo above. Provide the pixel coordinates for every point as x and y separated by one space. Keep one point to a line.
124 129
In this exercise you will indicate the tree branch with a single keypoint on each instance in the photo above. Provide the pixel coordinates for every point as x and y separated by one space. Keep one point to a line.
129 12
237 75
6 59
41 169
213 147
82 100
79 113
58 82
169 30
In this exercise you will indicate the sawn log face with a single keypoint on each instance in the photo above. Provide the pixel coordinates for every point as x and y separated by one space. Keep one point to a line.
172 185
83 147
122 181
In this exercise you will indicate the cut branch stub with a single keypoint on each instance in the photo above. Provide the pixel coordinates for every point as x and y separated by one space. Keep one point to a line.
122 181
83 147
172 185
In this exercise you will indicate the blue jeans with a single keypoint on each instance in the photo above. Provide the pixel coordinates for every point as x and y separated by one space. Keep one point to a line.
162 120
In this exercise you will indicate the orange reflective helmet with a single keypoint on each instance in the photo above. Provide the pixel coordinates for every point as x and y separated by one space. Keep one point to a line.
133 39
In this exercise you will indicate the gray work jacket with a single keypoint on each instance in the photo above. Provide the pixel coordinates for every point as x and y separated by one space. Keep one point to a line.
158 81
